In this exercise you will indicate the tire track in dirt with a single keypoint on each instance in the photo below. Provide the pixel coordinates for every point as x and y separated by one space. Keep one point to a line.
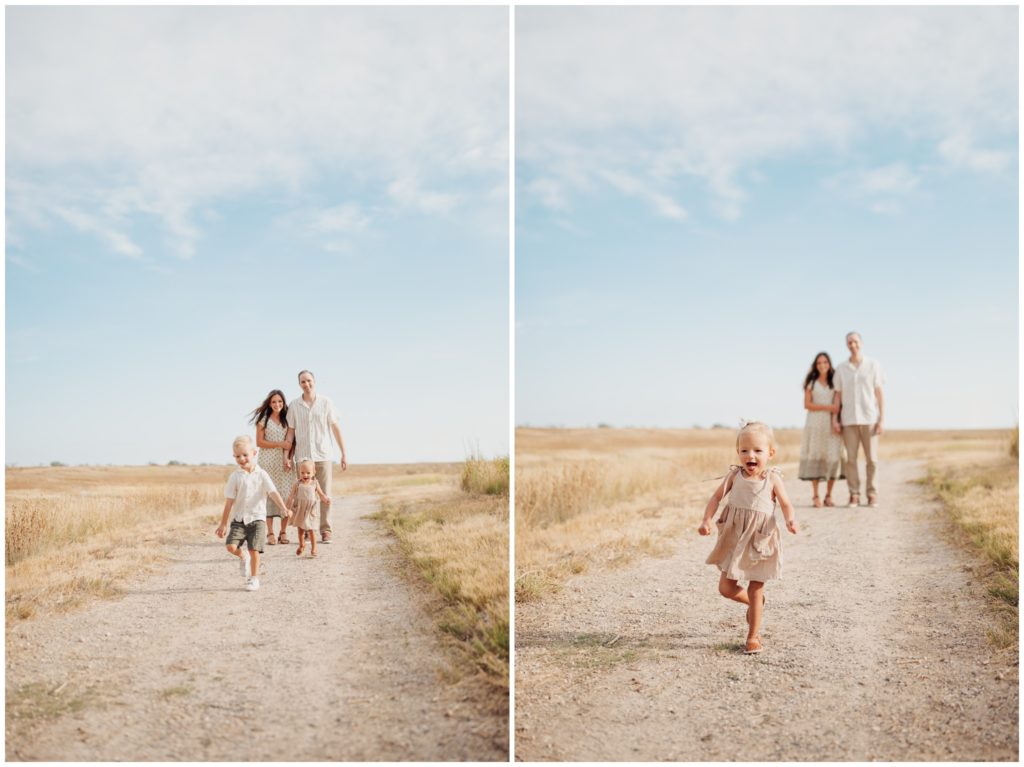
334 658
875 641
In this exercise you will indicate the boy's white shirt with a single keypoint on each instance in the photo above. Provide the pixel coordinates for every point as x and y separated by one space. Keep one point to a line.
250 490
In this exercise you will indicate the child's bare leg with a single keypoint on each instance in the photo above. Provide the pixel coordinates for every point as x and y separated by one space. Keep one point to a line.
730 589
254 562
755 592
302 542
235 551
312 544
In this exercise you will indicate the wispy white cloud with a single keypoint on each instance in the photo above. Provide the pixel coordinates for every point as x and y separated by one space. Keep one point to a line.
708 94
662 203
162 113
882 189
83 222
407 191
960 152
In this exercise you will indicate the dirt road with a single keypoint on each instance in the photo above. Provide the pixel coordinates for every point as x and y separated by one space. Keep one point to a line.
875 650
334 658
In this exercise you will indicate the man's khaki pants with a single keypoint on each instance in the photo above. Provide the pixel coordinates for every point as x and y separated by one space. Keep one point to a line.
853 438
323 476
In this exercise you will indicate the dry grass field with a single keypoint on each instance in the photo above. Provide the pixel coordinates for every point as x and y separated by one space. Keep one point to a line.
600 497
77 533
458 541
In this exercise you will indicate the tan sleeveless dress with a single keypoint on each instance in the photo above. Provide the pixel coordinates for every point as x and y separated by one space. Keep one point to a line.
307 506
749 545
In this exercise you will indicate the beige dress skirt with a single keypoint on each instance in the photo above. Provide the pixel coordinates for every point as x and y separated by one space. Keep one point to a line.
307 511
748 546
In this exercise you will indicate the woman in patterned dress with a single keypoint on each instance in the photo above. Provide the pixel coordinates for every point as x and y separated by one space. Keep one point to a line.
274 456
821 451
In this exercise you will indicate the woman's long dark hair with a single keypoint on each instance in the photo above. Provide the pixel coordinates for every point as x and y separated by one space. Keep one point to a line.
262 414
813 373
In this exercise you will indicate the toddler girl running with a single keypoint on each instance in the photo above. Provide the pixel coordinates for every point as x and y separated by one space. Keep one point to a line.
305 502
748 546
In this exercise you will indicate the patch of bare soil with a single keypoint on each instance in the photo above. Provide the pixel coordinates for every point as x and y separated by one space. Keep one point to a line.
334 658
875 650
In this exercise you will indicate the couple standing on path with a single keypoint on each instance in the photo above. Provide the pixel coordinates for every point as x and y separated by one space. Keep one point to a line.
845 410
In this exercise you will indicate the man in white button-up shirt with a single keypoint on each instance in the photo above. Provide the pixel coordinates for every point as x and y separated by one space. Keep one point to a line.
858 383
312 420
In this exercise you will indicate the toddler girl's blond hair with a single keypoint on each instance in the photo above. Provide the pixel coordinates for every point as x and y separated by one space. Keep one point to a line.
309 463
758 427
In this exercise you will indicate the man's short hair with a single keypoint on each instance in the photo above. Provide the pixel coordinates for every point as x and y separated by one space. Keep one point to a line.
851 333
307 371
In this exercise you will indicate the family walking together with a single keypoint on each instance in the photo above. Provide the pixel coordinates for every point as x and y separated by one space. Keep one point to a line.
845 410
295 463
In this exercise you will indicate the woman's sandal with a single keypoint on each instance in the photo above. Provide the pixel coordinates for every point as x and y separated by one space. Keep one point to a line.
753 646
270 539
828 500
298 551
816 501
282 538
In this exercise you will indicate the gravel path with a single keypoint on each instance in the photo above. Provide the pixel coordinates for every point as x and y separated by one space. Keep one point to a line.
875 644
334 658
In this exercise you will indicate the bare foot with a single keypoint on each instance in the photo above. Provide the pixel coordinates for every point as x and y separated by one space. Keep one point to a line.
298 551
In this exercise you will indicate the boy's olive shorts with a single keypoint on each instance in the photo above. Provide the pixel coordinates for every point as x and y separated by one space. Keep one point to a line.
253 533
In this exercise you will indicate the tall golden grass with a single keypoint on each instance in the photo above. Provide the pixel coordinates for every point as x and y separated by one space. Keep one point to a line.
488 477
39 523
599 497
459 544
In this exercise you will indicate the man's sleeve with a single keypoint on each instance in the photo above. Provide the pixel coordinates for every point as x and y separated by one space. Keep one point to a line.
332 415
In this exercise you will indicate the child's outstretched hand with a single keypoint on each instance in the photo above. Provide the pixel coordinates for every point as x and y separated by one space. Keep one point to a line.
705 528
792 526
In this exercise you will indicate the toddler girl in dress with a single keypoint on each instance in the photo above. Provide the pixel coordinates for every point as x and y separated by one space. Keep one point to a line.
749 546
305 503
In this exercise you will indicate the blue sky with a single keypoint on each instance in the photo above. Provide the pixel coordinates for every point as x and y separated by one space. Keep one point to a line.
706 197
203 201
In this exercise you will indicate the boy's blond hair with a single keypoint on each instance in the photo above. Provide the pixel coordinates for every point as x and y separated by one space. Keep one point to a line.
757 427
243 439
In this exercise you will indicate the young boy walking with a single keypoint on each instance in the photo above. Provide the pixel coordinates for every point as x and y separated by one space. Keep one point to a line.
246 494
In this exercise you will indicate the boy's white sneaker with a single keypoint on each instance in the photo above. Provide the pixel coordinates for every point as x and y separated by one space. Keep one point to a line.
243 563
252 583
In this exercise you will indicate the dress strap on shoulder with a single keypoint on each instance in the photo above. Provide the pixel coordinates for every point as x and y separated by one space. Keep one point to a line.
733 468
